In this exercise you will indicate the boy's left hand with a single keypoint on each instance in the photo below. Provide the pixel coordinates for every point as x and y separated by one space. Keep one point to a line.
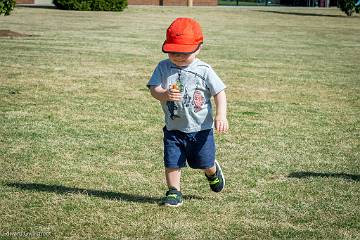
221 124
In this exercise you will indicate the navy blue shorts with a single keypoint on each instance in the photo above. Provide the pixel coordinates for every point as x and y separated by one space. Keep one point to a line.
197 149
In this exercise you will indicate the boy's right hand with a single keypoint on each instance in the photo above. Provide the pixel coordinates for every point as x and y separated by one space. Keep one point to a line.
162 94
173 95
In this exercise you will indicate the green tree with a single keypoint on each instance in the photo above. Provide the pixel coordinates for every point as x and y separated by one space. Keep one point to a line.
6 6
348 7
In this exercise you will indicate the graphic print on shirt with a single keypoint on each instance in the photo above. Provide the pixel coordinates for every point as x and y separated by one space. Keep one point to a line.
186 99
172 110
198 101
179 84
172 106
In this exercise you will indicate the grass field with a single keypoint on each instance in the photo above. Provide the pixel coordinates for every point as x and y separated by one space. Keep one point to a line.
81 139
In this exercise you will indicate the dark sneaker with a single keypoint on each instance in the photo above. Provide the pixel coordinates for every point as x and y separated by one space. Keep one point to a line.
173 198
217 182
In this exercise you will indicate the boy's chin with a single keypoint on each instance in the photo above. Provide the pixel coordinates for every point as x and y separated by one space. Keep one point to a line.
180 64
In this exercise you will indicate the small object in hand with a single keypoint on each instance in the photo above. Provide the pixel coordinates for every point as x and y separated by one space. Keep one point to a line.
174 86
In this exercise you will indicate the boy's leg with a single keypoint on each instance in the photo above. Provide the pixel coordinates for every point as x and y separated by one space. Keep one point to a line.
174 160
215 177
210 171
173 196
173 176
200 153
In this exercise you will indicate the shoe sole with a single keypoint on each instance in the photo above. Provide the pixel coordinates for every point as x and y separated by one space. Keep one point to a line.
218 167
169 205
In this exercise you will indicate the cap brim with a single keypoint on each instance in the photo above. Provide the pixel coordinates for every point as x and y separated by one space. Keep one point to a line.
177 48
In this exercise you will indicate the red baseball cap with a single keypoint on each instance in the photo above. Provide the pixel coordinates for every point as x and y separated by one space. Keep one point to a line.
184 35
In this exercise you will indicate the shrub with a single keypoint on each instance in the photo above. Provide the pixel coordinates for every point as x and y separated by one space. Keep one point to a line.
91 5
6 6
347 6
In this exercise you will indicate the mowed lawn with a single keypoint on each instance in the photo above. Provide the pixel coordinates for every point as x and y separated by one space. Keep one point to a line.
81 137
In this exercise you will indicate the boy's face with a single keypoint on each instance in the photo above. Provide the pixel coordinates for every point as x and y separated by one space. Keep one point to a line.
182 59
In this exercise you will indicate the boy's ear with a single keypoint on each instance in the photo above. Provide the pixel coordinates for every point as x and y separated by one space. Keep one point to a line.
198 51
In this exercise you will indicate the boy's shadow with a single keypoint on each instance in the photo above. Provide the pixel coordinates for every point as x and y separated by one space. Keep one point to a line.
301 13
59 189
303 174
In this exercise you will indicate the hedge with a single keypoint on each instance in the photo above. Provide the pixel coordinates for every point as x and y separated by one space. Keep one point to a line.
91 5
6 6
348 7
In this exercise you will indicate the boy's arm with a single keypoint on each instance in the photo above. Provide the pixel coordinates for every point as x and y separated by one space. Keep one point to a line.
221 122
163 95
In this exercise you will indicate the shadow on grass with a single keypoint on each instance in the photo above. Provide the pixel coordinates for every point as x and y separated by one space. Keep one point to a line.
44 6
301 14
59 189
324 175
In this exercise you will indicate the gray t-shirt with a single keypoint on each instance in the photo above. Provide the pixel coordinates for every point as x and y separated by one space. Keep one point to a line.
197 83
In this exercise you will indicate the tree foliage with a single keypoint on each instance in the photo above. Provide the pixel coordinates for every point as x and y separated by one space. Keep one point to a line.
348 7
6 6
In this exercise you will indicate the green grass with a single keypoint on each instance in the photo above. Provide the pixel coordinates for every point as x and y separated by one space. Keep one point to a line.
81 139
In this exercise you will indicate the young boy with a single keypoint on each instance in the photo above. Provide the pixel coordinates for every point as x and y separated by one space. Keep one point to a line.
184 86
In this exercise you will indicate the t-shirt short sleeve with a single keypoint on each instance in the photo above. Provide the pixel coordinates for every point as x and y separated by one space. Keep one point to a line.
155 79
214 82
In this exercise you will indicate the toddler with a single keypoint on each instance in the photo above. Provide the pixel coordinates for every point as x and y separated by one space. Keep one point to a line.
184 86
